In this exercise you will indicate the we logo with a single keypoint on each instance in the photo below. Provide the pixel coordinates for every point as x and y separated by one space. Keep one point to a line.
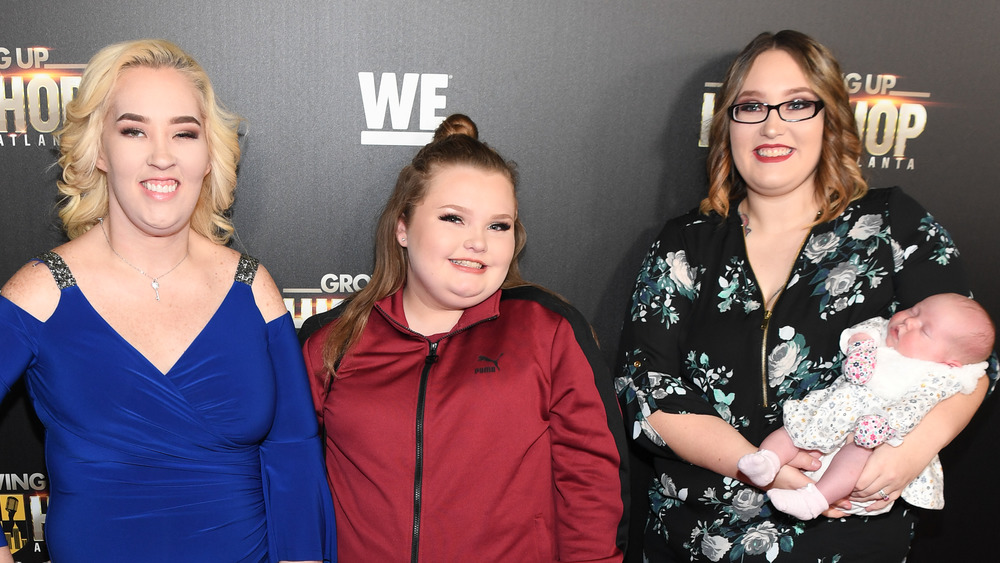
399 101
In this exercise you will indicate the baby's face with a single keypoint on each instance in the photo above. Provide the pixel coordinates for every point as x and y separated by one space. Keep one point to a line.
927 330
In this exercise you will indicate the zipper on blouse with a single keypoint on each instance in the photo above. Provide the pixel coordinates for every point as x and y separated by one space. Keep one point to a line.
418 471
767 317
763 355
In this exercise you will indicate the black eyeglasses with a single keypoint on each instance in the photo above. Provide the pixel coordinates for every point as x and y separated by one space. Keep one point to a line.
791 111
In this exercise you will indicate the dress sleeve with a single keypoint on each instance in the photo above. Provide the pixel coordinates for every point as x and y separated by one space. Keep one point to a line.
937 383
300 520
17 350
873 327
589 457
926 258
651 375
18 340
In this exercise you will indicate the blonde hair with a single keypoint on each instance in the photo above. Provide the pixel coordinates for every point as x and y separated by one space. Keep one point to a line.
837 174
455 142
84 188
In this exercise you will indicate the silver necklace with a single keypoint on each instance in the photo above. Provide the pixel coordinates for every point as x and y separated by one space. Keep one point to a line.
156 279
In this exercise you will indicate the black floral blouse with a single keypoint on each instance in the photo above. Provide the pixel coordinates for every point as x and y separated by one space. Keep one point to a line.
697 340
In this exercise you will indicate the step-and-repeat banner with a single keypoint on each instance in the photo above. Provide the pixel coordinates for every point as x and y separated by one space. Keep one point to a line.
601 103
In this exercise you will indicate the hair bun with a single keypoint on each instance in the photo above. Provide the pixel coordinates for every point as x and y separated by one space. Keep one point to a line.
456 124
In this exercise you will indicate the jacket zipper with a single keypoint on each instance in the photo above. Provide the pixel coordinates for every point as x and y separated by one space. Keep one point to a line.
418 471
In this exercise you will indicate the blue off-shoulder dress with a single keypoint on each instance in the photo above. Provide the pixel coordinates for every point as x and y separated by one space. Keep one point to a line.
216 460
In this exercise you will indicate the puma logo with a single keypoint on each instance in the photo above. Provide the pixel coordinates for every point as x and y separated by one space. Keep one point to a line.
487 369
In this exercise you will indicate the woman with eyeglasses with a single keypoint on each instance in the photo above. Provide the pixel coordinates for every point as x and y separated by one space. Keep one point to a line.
738 307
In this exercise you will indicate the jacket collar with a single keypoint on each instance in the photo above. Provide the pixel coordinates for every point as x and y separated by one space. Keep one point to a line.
391 307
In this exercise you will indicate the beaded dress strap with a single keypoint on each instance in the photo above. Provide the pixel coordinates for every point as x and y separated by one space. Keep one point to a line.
60 271
246 269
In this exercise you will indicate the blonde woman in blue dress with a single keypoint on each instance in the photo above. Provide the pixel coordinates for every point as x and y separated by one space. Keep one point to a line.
163 364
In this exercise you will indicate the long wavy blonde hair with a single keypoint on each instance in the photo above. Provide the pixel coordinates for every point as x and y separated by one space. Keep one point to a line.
84 187
837 174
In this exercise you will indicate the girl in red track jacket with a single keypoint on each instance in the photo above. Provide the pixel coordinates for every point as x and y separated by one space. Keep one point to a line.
469 416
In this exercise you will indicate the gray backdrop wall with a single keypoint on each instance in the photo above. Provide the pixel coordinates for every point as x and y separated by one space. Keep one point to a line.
599 102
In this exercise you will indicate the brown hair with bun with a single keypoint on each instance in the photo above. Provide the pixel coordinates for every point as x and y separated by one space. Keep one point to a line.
456 143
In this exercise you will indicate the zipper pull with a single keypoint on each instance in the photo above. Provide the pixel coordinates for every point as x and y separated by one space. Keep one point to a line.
432 357
767 319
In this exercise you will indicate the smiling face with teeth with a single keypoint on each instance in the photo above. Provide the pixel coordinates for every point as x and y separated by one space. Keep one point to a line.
153 150
459 242
776 157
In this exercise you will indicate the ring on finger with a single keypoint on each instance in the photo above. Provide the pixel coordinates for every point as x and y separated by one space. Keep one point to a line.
884 496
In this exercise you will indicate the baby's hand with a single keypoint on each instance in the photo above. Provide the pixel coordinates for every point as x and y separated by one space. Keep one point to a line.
873 430
858 337
859 365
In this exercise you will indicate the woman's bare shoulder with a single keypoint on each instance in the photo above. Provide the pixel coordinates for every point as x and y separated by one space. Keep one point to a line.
267 295
265 290
33 289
